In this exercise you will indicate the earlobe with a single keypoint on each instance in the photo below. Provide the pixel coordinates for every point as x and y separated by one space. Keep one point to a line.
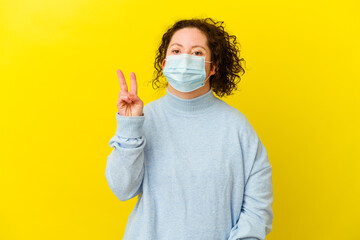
163 63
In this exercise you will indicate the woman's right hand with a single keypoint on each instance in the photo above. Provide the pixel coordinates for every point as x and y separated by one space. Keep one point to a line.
129 104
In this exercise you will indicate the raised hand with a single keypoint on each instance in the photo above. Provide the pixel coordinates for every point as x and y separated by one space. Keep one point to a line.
129 104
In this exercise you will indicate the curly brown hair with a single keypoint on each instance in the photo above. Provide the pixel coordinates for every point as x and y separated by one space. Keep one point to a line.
225 53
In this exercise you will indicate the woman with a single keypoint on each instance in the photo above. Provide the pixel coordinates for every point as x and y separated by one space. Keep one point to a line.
197 165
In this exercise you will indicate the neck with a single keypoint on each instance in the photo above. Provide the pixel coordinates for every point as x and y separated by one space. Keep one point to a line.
190 95
193 106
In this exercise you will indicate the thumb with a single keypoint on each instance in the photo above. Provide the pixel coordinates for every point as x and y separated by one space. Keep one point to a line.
133 96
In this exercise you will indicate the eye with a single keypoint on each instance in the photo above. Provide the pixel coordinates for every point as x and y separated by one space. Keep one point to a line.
198 53
175 51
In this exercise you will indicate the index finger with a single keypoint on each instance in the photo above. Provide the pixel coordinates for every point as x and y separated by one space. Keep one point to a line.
133 83
122 81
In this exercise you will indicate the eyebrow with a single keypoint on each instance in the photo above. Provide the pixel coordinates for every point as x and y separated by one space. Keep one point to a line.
191 47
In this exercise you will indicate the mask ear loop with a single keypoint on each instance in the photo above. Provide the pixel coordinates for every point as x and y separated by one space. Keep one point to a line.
203 84
208 76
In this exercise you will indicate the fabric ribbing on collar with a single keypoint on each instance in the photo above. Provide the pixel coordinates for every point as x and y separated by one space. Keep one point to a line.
189 106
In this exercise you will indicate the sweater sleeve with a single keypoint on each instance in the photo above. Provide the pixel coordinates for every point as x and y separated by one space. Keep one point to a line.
124 170
256 215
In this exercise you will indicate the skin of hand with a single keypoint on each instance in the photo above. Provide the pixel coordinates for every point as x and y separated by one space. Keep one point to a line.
129 104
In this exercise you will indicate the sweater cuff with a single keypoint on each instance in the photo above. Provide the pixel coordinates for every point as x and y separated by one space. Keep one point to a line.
129 127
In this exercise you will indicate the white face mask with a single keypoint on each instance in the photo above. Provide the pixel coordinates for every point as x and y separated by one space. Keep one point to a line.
185 72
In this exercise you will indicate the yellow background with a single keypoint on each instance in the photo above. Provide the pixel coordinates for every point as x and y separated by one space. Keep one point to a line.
59 90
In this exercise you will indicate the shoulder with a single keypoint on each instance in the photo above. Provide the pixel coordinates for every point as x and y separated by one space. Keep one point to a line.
151 106
148 107
237 120
231 114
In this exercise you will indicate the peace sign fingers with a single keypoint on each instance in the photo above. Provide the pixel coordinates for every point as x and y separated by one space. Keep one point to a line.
122 81
133 83
129 104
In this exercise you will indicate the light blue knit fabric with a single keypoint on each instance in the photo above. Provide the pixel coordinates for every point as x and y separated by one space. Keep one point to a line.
199 168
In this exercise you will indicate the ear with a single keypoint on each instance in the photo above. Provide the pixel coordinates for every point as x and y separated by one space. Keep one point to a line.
163 63
213 69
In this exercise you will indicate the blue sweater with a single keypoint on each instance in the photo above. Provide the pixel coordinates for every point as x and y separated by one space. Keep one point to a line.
198 168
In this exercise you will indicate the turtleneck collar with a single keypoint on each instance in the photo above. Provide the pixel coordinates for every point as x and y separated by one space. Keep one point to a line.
189 106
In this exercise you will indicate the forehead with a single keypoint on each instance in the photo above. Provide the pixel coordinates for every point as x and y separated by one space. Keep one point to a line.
189 36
